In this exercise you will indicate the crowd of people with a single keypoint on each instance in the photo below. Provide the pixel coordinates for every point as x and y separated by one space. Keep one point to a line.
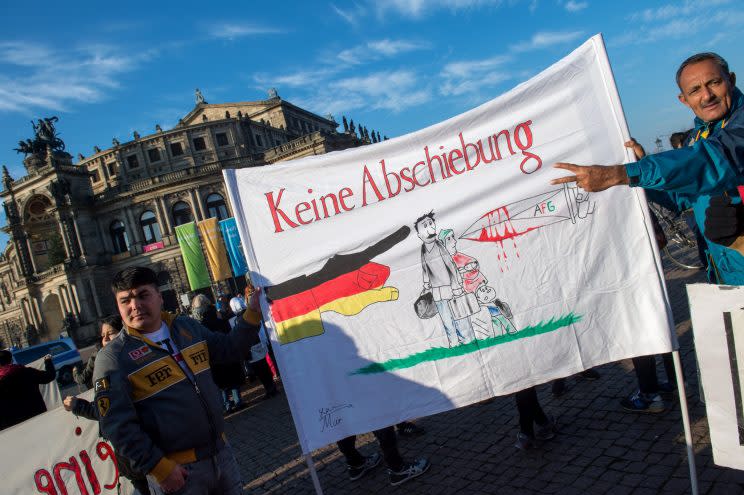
163 382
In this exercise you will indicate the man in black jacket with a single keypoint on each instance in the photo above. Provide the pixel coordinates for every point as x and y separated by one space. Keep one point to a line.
19 388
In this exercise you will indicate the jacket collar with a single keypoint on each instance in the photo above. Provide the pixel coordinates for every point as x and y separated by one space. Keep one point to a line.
168 318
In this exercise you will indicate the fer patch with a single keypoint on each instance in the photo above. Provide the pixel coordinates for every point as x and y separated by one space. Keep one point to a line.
101 385
104 405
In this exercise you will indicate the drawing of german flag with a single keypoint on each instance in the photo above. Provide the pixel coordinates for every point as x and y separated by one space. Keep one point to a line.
346 284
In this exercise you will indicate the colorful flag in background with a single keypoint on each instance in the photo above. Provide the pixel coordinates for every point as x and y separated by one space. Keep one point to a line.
215 248
234 246
193 258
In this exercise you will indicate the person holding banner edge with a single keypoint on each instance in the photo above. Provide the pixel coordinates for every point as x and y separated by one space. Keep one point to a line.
156 399
704 176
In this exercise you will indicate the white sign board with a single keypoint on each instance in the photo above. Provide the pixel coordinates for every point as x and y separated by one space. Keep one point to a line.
435 270
717 313
57 452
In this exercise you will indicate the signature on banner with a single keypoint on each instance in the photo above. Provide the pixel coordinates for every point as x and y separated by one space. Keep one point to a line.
329 416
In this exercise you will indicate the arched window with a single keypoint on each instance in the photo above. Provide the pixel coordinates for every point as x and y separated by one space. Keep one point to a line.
216 207
119 237
181 213
150 227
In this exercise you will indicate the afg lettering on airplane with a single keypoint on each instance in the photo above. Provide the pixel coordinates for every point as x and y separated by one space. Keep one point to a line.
541 208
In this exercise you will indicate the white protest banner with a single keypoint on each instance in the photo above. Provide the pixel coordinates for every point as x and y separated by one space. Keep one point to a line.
55 453
49 391
717 313
438 269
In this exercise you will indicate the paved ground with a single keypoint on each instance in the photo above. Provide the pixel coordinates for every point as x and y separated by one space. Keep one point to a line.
600 448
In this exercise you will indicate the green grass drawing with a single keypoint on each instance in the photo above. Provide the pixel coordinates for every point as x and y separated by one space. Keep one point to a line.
437 353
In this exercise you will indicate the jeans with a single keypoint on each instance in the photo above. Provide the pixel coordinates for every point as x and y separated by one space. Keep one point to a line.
388 444
218 475
458 331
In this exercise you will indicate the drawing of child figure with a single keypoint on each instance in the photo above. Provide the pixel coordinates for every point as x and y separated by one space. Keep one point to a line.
467 265
495 311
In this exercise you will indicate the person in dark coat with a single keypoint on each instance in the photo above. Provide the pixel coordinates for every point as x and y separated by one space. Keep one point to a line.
19 388
228 377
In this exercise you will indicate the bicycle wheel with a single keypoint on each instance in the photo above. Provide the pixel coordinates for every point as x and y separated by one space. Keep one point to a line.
682 246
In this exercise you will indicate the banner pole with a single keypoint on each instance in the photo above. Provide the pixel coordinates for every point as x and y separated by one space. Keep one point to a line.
314 473
685 421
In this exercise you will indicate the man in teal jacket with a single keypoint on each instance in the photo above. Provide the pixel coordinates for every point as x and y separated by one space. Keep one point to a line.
711 167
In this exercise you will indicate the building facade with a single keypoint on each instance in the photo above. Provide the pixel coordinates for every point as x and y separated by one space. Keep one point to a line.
72 226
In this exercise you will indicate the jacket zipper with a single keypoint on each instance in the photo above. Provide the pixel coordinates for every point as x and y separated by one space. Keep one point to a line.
204 404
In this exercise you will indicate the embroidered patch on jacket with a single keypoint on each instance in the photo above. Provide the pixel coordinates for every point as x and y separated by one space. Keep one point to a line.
104 405
101 385
155 377
140 352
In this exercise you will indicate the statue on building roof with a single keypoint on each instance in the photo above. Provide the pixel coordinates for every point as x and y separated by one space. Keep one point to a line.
45 135
199 97
136 135
158 128
80 157
96 149
115 142
273 93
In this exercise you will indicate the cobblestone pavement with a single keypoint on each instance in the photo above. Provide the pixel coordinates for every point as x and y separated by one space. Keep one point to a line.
599 448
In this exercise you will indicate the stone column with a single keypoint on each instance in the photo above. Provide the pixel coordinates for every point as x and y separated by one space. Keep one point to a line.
37 312
134 226
94 296
31 258
70 302
83 251
196 201
75 298
164 218
62 301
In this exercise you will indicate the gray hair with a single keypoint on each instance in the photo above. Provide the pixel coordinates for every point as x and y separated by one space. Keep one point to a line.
200 300
699 57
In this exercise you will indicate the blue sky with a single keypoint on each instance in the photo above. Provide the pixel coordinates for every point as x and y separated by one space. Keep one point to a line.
392 65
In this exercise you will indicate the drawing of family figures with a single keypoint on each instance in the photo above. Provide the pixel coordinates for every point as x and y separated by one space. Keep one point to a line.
451 284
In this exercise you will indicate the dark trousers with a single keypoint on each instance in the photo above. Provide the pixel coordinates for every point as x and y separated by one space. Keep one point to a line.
530 411
388 444
262 371
645 368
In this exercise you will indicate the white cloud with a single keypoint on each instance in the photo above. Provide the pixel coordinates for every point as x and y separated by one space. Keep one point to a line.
469 76
679 27
351 15
394 90
674 10
375 50
233 30
41 76
573 6
296 79
418 8
547 39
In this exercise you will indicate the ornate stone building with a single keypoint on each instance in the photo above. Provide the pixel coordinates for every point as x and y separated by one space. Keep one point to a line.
73 225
